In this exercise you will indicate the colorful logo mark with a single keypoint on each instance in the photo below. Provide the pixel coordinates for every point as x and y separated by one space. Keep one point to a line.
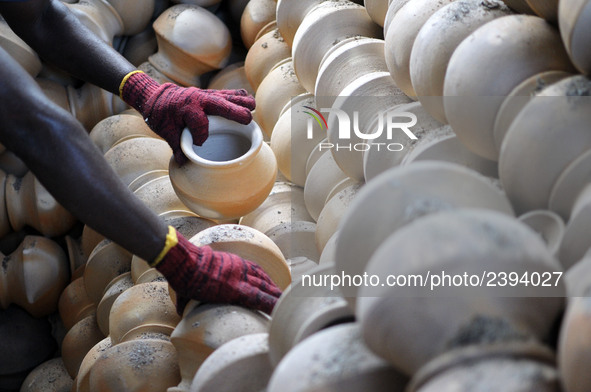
317 116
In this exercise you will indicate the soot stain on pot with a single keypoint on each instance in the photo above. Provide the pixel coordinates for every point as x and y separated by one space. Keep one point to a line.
142 355
486 330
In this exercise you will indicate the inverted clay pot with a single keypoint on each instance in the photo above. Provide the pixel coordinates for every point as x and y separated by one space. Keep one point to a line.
324 26
99 17
117 128
255 16
334 359
570 185
548 224
82 379
436 41
232 77
205 328
393 8
50 376
139 47
401 195
29 203
262 56
575 244
159 196
135 15
473 98
78 341
34 275
290 15
107 261
227 177
19 50
377 10
573 19
184 51
113 290
466 240
74 303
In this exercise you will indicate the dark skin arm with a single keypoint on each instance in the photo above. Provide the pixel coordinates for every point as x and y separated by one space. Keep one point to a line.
59 38
53 144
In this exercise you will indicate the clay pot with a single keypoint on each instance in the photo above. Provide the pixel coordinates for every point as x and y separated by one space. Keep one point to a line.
567 131
518 98
328 253
147 364
377 10
184 52
509 367
240 364
230 175
76 256
135 15
376 161
233 77
334 359
74 304
290 15
519 6
204 328
55 91
19 50
401 35
50 376
158 76
302 310
82 379
393 7
274 93
113 290
139 47
78 341
141 309
137 157
572 19
441 144
549 225
372 96
118 128
291 134
324 26
4 222
465 240
528 43
403 194
29 203
159 196
255 16
249 244
435 42
99 17
574 245
547 9
107 261
344 63
263 55
34 275
89 240
25 343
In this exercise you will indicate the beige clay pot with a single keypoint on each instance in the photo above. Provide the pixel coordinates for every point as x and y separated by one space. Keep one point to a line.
377 10
240 364
118 128
324 26
90 104
184 52
402 33
99 17
547 9
335 359
230 175
263 55
19 50
139 47
113 290
29 203
255 16
136 15
290 15
205 328
82 379
528 43
548 224
232 77
159 196
574 244
50 376
107 261
324 175
393 7
75 304
402 195
436 41
34 276
573 17
78 341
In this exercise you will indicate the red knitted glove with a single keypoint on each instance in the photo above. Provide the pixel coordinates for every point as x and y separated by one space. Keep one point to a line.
217 277
168 108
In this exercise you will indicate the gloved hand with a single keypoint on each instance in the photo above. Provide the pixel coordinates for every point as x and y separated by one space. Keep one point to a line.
168 108
206 275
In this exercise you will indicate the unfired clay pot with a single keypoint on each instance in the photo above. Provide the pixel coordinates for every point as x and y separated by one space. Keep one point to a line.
573 18
548 224
34 275
227 177
184 51
255 16
400 196
113 290
240 364
159 196
139 47
107 261
5 227
117 128
78 341
290 15
232 77
323 177
19 50
82 379
393 7
437 39
324 26
470 241
574 243
547 9
335 359
50 376
75 304
249 244
204 328
29 203
100 17
377 10
262 56
473 98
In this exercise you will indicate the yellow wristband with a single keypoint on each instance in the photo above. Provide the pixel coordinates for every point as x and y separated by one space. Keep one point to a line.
171 241
125 80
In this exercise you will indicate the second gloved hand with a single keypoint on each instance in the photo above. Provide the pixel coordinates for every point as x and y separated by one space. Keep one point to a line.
169 108
206 275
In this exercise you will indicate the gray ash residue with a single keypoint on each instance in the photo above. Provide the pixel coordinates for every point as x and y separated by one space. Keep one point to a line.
485 329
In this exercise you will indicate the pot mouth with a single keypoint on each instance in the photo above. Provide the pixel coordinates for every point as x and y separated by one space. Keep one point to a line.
228 143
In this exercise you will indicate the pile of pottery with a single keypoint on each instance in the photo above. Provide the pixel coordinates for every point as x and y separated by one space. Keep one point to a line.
494 180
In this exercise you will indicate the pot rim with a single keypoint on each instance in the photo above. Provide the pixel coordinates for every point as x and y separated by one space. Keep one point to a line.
218 125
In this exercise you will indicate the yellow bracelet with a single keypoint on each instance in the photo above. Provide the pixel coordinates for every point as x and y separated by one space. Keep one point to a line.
125 80
171 241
